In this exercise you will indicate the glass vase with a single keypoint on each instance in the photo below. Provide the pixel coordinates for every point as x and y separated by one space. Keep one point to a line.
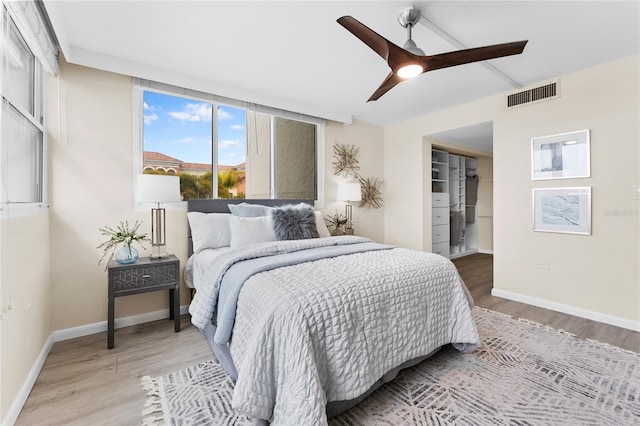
127 254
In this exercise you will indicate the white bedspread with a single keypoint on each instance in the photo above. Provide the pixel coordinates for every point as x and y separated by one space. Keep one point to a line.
209 267
327 330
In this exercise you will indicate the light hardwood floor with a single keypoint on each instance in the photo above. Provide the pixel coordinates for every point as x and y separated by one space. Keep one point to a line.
84 383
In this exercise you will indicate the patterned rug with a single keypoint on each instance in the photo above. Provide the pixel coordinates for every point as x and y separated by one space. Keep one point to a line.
525 374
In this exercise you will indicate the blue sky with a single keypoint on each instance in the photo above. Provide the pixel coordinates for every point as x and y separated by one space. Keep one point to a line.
181 128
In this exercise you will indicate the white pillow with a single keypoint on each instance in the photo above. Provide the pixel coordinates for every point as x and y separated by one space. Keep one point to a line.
323 231
249 210
209 230
250 230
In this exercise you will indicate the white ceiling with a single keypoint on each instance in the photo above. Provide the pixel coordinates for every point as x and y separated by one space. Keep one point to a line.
477 136
293 55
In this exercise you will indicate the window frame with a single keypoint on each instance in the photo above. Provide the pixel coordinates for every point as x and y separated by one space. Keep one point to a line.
140 86
38 119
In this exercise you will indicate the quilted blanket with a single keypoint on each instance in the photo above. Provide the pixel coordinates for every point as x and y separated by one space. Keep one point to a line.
327 330
208 271
235 277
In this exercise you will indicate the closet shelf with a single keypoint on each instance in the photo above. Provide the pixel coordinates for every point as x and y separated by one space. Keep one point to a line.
460 235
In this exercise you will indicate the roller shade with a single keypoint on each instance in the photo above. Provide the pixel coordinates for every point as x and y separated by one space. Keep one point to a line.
33 26
174 90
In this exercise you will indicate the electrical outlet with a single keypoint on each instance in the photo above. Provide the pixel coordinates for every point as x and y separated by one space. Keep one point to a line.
542 264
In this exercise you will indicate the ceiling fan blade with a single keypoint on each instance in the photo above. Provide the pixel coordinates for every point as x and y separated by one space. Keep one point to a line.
388 84
397 57
466 56
387 50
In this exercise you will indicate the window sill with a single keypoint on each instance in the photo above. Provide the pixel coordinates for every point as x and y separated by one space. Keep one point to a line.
14 210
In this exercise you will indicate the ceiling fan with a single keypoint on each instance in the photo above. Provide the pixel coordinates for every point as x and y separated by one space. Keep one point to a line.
410 61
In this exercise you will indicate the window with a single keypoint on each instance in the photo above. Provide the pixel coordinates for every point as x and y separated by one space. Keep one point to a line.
252 154
22 143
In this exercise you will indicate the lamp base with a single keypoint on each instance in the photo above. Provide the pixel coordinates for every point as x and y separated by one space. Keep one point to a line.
159 256
348 231
158 251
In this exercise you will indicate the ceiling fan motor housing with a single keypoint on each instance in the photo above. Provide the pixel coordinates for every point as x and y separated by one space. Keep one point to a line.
409 16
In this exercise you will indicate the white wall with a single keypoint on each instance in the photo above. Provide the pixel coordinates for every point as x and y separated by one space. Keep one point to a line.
596 275
25 286
485 204
406 150
368 222
90 150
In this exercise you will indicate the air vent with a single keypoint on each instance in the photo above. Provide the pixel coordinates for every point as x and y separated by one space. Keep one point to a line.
546 92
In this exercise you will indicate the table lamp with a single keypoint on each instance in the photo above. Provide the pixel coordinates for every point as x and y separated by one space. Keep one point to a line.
349 191
158 189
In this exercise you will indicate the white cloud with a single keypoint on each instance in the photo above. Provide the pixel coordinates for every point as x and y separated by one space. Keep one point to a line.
149 107
233 155
150 118
228 143
193 113
237 127
223 114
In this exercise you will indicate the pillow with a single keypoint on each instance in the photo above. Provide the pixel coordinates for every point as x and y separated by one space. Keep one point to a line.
323 231
209 230
250 230
294 222
249 210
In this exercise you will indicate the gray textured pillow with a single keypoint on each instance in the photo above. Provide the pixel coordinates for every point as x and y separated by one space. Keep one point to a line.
294 222
249 210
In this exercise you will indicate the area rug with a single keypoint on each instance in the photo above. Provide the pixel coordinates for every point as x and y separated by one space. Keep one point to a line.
524 374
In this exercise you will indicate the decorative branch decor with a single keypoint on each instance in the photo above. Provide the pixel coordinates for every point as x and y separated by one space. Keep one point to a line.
338 222
346 164
346 161
371 195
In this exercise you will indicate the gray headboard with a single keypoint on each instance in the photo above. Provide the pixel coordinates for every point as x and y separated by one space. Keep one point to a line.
221 206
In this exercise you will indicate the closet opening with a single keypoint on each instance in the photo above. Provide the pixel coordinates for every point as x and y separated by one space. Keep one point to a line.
460 185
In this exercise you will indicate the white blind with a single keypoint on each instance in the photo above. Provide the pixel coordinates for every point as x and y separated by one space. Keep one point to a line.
32 26
175 90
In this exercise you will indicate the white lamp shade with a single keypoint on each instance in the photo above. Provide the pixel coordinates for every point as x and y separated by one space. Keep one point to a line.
349 191
158 189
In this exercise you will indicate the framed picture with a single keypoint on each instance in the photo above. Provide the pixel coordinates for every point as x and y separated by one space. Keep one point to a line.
564 210
561 156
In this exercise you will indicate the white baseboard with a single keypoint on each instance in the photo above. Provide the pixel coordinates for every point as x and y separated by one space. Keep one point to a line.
71 333
468 252
14 411
462 254
568 309
99 327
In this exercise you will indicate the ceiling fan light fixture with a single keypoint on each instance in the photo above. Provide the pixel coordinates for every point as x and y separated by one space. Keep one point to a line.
410 71
411 61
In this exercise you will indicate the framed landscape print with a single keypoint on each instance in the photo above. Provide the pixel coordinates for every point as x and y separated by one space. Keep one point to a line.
564 210
561 156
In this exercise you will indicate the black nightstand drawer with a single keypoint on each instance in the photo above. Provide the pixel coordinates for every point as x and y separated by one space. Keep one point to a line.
143 276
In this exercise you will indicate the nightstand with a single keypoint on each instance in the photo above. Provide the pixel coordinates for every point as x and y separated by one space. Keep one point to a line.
141 277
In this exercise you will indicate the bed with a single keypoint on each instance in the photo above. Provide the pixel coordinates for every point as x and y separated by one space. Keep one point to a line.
306 324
